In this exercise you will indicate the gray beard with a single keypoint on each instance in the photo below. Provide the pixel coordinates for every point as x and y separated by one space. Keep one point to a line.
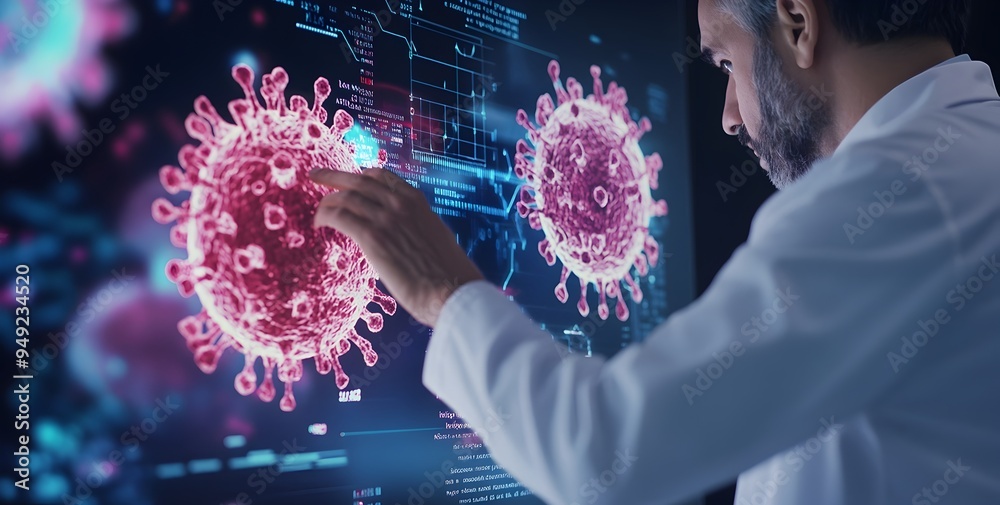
791 123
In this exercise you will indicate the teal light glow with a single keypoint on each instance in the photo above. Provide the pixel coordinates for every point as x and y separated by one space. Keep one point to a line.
366 153
247 58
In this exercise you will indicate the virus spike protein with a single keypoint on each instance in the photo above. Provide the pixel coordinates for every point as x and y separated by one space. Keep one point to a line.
271 285
588 189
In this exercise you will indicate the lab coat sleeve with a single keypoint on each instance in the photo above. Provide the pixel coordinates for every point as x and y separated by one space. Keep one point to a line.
792 338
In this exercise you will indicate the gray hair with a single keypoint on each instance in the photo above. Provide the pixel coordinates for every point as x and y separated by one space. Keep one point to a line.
867 22
754 16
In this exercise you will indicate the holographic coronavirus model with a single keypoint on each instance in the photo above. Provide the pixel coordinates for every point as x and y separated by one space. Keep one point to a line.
587 187
50 56
270 284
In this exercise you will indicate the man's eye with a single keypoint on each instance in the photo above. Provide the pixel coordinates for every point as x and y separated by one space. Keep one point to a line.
726 66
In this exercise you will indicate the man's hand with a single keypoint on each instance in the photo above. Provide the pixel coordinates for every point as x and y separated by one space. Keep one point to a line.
414 252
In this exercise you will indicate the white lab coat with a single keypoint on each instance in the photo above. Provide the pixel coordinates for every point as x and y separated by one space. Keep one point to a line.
802 368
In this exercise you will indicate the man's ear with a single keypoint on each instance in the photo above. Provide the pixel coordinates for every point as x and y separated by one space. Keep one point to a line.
798 29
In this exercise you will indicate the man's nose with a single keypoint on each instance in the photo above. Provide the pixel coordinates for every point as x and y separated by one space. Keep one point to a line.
731 119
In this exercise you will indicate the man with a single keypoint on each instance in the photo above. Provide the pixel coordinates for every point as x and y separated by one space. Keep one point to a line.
846 354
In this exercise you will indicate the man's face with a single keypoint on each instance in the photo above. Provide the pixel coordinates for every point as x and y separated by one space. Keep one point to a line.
766 109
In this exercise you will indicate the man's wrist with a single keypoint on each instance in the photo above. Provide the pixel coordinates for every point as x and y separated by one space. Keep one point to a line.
444 292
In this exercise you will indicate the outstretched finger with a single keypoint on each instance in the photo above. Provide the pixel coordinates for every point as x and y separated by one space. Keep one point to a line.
343 219
367 186
390 180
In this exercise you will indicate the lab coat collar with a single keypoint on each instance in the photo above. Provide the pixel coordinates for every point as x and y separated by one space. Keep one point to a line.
956 81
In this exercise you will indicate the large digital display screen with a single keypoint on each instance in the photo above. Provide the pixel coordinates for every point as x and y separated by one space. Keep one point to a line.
193 339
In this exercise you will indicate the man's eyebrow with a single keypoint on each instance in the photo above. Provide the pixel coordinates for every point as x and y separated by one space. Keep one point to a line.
708 55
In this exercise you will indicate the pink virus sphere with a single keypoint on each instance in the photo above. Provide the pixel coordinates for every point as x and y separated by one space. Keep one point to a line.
50 57
587 187
271 285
